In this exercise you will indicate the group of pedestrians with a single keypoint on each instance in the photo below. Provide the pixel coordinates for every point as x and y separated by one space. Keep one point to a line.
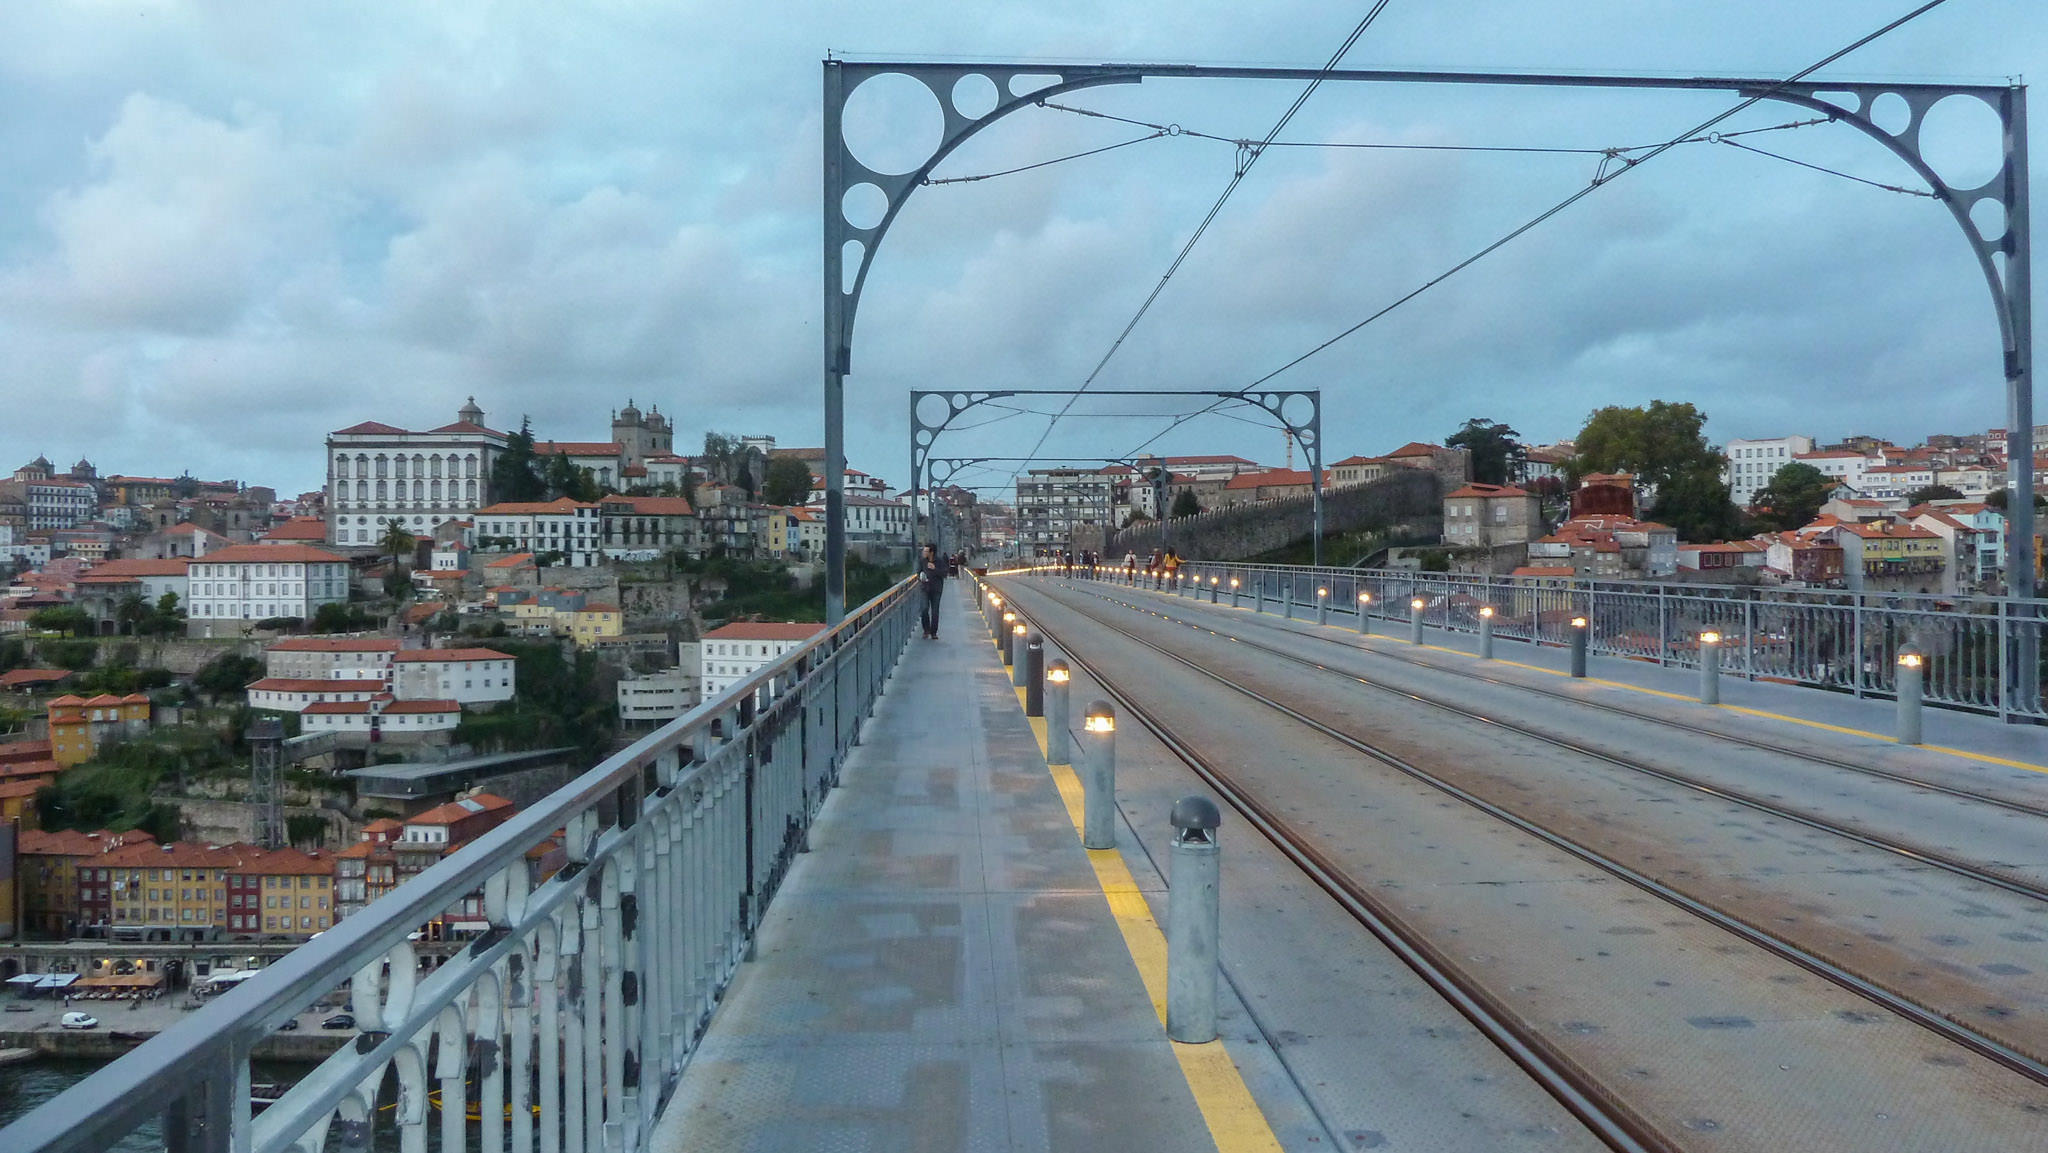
1161 568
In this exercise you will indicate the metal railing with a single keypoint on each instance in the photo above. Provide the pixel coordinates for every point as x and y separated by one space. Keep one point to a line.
566 1023
1984 654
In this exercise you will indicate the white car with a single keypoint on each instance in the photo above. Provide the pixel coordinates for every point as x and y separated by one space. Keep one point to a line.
79 1021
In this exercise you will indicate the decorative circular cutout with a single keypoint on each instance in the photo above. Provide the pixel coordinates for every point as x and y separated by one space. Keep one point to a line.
850 255
864 205
1891 113
933 411
1962 140
1989 217
1298 410
892 123
974 96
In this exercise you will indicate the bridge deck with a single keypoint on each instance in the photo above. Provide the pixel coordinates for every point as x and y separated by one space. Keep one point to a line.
943 969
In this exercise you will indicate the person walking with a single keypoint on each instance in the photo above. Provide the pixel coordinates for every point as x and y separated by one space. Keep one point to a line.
931 577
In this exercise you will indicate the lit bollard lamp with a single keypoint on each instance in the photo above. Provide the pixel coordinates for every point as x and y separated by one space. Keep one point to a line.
1057 679
1009 622
1192 915
1018 661
1710 667
1034 676
1233 592
1322 606
1364 614
1911 688
1098 792
994 615
1415 607
1581 627
1485 632
1215 586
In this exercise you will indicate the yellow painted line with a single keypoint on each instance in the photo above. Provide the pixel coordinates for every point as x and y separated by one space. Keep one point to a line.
1234 1119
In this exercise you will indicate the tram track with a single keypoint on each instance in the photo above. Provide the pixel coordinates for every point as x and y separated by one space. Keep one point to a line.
1807 755
1348 891
1916 854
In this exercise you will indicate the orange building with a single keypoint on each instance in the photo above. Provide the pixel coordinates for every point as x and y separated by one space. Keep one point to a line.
78 724
51 867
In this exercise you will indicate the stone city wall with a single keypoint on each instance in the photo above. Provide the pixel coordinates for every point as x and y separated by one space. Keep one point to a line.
1412 498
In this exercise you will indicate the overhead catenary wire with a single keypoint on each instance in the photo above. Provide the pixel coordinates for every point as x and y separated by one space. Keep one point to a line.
1600 181
1237 178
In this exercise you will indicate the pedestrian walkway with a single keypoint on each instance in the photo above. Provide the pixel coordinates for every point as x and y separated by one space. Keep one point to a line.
947 968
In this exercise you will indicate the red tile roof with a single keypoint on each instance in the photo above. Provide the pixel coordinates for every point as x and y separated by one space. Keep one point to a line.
421 707
456 810
474 654
653 505
577 448
271 554
765 631
121 571
334 645
15 678
1484 490
309 685
298 528
561 506
368 427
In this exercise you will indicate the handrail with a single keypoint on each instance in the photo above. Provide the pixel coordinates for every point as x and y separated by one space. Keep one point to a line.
838 672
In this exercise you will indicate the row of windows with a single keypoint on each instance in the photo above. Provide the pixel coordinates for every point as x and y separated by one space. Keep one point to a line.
421 491
247 572
422 464
271 923
211 589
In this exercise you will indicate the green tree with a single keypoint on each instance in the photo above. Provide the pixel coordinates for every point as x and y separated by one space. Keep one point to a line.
168 618
337 617
131 614
1655 445
515 475
1933 492
1185 504
1496 454
1792 497
62 619
566 479
1695 502
228 673
788 481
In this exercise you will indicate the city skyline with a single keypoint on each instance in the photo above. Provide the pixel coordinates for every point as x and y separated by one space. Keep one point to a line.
224 236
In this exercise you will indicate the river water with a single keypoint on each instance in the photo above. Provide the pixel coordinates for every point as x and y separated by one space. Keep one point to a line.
25 1086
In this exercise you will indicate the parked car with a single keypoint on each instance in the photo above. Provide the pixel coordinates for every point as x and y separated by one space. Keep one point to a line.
288 1023
79 1021
339 1021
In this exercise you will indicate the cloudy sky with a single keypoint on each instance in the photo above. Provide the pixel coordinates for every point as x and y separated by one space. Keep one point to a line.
228 228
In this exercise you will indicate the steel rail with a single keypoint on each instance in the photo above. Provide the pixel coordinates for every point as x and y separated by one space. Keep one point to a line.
1949 1030
1400 654
1574 1088
1980 874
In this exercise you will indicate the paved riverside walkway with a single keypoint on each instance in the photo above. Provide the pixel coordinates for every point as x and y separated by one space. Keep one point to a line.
948 969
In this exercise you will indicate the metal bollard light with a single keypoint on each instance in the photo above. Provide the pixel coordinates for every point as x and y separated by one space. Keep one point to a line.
1034 676
1193 913
1322 606
1710 667
1485 632
1233 592
1259 595
1580 628
1057 682
1215 586
1098 792
1364 614
1009 622
1018 661
1911 689
1287 597
1415 607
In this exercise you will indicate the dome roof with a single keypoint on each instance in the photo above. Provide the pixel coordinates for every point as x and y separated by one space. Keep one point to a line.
629 412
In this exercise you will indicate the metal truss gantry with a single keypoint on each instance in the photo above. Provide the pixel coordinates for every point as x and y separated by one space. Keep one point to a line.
1305 428
958 89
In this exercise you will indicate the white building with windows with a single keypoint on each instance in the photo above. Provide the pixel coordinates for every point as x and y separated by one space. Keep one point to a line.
331 658
573 528
237 586
466 676
734 652
1752 463
377 473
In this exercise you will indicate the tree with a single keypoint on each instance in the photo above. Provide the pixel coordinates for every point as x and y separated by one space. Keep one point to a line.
1496 454
1695 502
1185 504
1655 445
397 544
787 481
62 619
1933 492
514 475
565 479
1792 497
131 613
168 618
228 673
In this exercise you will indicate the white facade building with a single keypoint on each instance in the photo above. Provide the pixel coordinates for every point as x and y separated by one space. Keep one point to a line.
377 473
397 718
658 697
729 655
331 658
1842 465
297 694
466 676
1752 463
569 527
242 584
874 518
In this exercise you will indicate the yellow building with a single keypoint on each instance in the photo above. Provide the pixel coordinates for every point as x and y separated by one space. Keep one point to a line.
594 623
180 885
78 724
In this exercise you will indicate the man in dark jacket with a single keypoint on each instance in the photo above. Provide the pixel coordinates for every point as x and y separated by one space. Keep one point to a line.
931 578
